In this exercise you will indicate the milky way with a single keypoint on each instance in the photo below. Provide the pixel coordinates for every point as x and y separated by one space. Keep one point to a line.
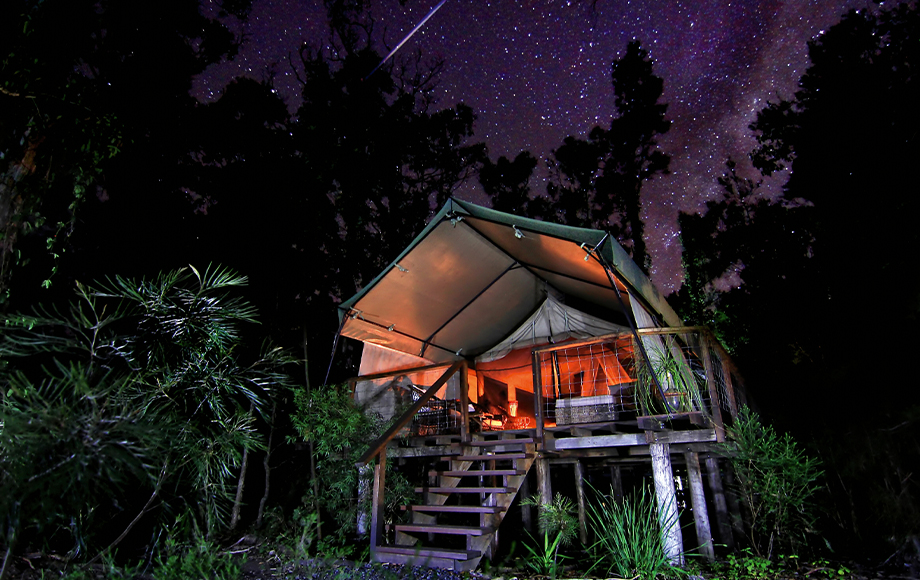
536 71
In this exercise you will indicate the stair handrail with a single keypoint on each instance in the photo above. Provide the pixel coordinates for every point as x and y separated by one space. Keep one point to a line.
380 444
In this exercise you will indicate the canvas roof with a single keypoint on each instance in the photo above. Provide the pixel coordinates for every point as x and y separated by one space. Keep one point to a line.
474 275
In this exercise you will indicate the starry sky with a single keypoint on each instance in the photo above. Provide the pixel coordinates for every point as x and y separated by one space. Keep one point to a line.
536 71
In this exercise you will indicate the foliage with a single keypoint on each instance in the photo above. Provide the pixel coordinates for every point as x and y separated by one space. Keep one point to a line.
597 182
139 387
745 565
776 483
743 246
340 433
680 383
628 536
69 441
69 118
558 526
193 559
507 183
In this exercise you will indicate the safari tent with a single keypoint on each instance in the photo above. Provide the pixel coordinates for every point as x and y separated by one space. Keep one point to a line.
500 340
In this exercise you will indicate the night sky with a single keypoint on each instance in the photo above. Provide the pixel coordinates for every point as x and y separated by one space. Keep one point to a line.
536 71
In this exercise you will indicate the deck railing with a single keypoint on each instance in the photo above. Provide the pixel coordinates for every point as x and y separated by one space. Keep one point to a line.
686 374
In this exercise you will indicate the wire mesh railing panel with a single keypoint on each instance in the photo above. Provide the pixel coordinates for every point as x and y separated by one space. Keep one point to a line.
721 381
390 397
588 383
614 378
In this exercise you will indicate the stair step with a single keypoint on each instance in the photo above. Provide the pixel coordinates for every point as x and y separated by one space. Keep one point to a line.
456 509
495 457
464 489
477 472
430 552
442 529
494 442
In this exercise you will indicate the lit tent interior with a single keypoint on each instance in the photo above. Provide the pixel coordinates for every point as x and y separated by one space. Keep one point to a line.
489 286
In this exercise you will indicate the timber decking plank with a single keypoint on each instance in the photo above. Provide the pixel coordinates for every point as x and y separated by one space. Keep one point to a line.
475 472
442 529
496 457
442 553
448 490
458 509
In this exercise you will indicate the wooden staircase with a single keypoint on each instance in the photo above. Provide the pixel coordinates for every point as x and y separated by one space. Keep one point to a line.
464 504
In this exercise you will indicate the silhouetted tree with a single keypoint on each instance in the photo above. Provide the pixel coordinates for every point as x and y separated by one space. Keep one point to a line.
597 181
508 182
121 86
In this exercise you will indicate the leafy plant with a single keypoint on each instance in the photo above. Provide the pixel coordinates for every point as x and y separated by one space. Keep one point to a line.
558 527
776 482
138 383
679 382
195 559
628 536
340 433
745 565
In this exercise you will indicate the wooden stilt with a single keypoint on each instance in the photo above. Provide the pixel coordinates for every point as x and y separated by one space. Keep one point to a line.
616 482
526 510
667 502
718 495
544 486
733 507
698 500
580 496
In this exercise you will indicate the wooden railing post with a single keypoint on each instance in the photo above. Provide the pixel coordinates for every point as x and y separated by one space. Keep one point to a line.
379 501
464 403
538 400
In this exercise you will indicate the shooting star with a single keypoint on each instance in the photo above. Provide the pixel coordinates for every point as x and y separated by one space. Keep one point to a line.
408 36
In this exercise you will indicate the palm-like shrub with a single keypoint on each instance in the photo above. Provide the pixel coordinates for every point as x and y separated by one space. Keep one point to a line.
137 385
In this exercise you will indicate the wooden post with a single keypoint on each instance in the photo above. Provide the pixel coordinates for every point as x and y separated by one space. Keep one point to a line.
713 390
698 502
718 494
544 486
616 482
733 507
538 401
379 502
580 496
464 404
667 502
729 385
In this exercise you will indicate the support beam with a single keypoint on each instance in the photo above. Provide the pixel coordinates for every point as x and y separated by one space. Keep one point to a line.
667 502
544 486
698 501
734 507
718 496
580 497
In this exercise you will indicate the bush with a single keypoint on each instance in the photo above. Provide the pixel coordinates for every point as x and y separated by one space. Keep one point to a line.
340 433
776 483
